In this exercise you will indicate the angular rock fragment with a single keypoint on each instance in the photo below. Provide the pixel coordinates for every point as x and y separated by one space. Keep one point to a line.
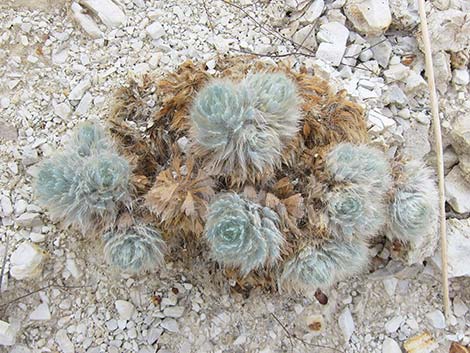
369 16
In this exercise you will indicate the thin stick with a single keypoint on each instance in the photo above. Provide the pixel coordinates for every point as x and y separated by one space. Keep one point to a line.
290 336
439 153
4 262
209 17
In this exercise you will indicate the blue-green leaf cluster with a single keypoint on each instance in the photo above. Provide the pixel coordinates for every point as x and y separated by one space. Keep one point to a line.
85 184
134 249
314 268
242 234
90 138
276 100
243 127
355 211
356 204
413 209
359 164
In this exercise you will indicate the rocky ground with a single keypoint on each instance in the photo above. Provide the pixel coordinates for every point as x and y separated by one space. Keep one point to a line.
60 63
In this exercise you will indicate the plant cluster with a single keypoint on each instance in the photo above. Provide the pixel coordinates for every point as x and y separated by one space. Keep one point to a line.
360 178
412 212
243 234
241 129
87 186
314 267
86 183
134 249
264 167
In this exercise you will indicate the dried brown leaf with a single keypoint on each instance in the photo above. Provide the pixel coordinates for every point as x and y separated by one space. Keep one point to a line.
458 348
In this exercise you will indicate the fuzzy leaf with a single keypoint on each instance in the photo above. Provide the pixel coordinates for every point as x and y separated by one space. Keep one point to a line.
242 234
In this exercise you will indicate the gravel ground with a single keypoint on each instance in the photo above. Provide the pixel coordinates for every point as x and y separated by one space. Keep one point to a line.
55 75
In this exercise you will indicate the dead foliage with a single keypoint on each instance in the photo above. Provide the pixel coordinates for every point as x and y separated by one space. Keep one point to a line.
180 197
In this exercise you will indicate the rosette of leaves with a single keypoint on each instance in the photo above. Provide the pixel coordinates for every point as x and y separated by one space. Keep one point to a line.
90 138
413 208
180 197
134 249
360 164
277 101
314 268
84 186
354 211
242 234
232 138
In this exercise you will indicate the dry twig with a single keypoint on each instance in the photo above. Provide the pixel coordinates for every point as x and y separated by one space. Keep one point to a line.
290 336
4 306
439 152
4 262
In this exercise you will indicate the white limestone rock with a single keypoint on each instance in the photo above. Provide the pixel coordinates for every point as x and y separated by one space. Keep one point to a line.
125 309
306 37
379 122
7 334
7 208
396 72
59 57
307 11
437 319
170 324
20 206
174 311
390 284
460 308
369 16
111 14
394 324
458 248
457 191
41 313
79 90
390 346
417 139
404 14
26 261
460 135
5 102
346 324
62 110
333 32
63 341
443 73
155 30
381 49
461 77
449 30
84 104
333 37
395 95
28 220
86 21
72 267
414 82
154 334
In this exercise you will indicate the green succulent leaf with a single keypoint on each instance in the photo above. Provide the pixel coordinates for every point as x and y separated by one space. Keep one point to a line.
84 186
134 249
242 234
359 164
413 210
314 268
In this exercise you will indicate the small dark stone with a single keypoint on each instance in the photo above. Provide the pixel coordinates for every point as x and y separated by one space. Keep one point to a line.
321 297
